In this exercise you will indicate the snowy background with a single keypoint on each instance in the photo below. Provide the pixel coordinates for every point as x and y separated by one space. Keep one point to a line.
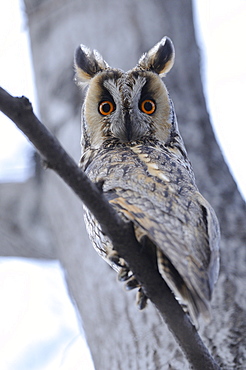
39 328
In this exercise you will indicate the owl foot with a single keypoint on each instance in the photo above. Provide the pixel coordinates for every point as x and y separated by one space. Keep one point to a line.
125 275
131 283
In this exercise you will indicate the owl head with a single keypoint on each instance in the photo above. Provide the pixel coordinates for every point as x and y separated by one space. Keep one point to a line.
126 106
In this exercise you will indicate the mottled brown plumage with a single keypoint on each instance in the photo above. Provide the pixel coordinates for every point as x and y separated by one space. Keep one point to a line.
132 146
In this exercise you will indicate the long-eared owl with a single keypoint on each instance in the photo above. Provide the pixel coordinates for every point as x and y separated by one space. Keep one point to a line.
131 145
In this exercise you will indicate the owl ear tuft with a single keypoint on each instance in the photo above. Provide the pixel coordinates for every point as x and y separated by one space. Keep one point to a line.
159 59
87 64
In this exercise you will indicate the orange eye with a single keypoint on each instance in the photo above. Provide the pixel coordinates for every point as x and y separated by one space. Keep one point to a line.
148 106
106 107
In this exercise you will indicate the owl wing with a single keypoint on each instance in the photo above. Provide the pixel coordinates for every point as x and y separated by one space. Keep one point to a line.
166 207
186 255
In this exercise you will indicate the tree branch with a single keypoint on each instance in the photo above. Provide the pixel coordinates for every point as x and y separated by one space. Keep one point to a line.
19 110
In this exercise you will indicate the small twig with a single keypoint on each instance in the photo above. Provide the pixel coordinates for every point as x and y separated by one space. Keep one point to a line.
19 110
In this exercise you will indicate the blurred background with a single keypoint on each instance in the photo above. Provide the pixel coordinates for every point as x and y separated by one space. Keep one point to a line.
28 286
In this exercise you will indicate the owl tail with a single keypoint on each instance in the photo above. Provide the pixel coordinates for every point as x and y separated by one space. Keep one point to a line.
191 302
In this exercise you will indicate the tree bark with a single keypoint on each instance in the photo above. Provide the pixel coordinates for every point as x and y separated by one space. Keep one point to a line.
119 336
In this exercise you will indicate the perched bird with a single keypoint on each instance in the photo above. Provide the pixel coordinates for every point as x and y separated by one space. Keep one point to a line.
131 145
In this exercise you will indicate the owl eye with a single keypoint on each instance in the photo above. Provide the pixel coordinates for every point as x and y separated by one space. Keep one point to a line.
148 106
106 107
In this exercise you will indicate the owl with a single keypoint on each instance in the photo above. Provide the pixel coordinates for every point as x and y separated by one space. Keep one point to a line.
132 147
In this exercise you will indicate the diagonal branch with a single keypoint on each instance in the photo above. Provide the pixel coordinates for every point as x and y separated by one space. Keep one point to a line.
19 110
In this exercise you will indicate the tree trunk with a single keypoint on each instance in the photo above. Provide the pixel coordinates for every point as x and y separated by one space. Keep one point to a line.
119 336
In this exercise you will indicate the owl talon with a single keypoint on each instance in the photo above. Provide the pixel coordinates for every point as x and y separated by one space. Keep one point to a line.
114 257
123 274
132 283
142 299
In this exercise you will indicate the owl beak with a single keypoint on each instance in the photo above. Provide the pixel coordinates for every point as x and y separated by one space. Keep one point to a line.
127 130
128 127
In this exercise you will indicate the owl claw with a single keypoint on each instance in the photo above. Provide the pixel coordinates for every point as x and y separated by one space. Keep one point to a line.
114 257
123 274
142 299
132 283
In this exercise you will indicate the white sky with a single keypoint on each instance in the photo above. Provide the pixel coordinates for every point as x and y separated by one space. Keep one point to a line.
223 28
15 77
24 313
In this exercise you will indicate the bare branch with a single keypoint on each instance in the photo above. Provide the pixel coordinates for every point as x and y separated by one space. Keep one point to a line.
19 110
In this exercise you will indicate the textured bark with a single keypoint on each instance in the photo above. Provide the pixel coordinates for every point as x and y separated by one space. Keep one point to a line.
121 337
23 223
